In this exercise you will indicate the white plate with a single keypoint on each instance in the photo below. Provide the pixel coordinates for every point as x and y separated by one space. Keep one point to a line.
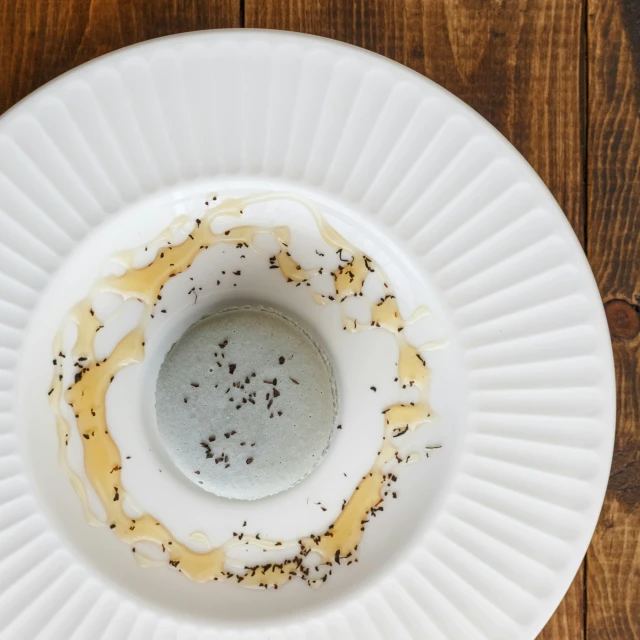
491 531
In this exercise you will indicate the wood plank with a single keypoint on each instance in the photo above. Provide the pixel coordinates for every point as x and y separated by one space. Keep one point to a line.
516 63
40 39
613 247
567 622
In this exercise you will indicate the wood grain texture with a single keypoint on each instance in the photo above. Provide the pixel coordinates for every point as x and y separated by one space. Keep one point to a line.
526 65
613 246
40 39
567 622
518 63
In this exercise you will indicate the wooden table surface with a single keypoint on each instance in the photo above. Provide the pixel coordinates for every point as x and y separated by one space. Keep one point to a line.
559 78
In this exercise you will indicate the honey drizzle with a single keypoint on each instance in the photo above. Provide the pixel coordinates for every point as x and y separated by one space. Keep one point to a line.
86 395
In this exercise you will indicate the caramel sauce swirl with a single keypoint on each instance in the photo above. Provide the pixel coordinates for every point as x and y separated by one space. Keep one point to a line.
102 459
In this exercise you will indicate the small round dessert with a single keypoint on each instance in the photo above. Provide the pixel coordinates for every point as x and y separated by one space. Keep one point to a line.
246 403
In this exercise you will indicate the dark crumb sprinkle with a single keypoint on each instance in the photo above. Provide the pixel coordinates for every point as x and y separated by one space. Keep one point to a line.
249 460
50 392
373 388
232 368
281 360
185 401
339 426
237 273
195 384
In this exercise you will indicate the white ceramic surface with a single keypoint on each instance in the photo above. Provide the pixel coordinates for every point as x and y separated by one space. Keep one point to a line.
488 534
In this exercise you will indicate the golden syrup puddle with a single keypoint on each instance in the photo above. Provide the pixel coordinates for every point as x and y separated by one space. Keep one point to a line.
102 460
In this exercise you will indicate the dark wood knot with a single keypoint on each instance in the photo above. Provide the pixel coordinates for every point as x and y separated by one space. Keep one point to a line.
623 319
